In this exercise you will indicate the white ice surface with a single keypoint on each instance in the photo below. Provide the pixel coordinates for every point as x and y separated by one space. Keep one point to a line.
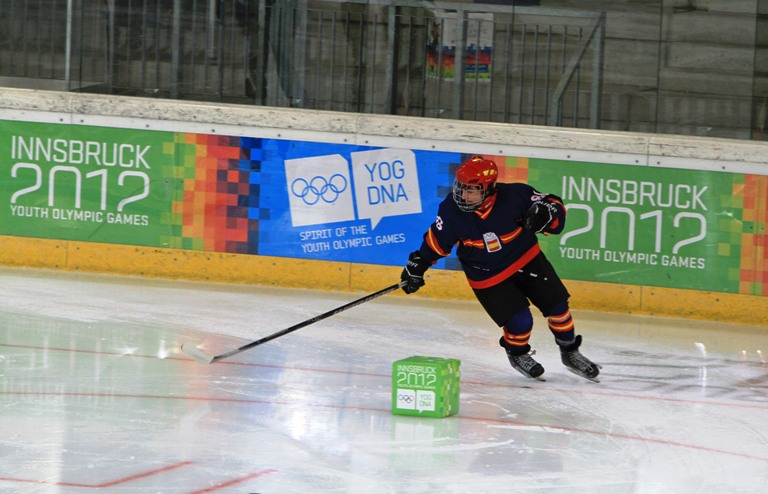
96 396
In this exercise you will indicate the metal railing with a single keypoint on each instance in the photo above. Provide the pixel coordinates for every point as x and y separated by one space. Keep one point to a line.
456 60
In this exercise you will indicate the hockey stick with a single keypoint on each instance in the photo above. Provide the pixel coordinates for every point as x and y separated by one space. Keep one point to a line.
203 357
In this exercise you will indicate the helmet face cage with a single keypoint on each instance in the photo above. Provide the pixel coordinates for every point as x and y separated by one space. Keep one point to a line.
474 183
460 188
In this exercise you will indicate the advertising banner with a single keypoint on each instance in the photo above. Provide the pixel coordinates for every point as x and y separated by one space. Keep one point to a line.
670 227
90 184
349 203
626 224
218 193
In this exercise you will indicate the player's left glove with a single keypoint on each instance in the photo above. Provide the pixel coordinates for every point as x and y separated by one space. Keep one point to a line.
413 273
539 216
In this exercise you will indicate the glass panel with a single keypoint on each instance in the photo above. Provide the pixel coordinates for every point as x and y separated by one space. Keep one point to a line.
669 66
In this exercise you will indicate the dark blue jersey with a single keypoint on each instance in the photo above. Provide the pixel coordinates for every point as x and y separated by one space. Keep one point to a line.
491 245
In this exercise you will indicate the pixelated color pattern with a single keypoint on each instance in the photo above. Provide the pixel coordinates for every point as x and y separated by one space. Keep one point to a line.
219 189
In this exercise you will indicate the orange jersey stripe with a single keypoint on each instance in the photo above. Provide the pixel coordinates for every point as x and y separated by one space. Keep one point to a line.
432 243
511 236
474 243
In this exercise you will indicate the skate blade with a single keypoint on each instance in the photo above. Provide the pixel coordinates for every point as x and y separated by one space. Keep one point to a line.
593 379
539 378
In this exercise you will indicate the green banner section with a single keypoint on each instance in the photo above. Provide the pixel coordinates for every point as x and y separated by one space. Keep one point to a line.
87 183
645 226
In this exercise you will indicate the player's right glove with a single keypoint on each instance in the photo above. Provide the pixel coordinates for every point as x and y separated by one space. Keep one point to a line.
413 273
539 216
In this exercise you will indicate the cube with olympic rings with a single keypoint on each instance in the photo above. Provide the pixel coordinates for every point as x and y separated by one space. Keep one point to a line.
426 386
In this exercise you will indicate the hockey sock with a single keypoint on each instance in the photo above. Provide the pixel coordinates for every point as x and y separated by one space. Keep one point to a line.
517 332
561 324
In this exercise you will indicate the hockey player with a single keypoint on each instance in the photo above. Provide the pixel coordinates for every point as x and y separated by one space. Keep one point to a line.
494 227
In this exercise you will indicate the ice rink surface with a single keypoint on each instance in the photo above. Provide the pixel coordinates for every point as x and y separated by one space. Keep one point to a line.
97 397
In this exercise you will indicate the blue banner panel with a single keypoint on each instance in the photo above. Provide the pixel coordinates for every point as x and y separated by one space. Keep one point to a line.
348 203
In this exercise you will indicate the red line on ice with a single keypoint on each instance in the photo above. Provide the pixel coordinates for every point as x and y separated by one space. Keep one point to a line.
235 481
113 483
383 410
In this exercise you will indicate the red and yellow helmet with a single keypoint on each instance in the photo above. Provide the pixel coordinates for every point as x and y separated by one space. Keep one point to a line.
475 184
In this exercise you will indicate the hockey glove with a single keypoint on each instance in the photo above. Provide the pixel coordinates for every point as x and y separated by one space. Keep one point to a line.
413 273
539 216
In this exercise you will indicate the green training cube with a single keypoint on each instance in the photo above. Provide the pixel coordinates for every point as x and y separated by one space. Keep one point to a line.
425 386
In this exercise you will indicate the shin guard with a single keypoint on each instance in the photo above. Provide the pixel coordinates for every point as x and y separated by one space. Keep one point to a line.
517 332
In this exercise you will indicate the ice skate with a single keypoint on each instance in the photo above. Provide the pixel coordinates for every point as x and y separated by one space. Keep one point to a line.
526 365
577 363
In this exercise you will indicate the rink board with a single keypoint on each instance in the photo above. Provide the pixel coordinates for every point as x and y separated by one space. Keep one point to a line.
324 275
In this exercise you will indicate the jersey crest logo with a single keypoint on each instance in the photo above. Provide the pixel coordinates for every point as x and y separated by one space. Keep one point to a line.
492 242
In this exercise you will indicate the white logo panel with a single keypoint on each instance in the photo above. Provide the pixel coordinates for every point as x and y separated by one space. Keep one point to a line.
319 190
386 183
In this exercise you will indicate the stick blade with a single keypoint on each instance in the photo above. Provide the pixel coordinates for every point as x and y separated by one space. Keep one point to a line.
196 353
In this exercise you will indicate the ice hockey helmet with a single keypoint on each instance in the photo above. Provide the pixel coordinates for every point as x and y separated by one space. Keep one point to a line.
475 174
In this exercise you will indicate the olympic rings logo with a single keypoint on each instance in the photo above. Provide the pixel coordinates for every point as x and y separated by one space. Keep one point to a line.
318 188
405 398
